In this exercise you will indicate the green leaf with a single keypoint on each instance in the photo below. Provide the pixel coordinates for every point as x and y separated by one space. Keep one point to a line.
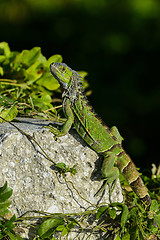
5 193
61 165
54 58
157 219
1 109
73 223
126 236
2 58
3 188
44 102
34 72
4 49
63 229
112 212
46 98
101 211
154 206
64 232
48 81
5 100
117 237
133 213
9 223
140 235
60 228
11 236
9 114
29 57
154 229
134 230
73 169
4 211
1 70
124 215
118 205
5 204
48 227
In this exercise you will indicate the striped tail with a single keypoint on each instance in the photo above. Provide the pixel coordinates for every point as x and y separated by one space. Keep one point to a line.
129 170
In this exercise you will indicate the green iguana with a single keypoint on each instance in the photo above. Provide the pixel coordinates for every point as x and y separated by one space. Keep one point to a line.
105 141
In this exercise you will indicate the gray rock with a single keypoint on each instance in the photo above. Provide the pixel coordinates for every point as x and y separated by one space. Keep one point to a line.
36 185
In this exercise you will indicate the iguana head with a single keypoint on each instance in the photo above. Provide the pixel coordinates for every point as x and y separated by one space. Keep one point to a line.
62 73
69 80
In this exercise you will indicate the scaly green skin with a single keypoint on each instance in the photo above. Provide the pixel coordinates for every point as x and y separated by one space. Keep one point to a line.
97 135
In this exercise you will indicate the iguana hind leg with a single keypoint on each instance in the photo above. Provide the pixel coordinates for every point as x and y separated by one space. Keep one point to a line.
109 173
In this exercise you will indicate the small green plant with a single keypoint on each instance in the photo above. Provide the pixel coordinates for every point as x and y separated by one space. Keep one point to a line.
7 221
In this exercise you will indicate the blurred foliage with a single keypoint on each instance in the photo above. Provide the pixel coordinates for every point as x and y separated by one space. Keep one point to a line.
116 42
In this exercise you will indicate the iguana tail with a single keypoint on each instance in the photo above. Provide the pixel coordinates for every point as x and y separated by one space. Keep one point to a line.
129 170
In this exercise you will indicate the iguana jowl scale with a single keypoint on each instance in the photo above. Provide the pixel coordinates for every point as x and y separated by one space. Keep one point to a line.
105 141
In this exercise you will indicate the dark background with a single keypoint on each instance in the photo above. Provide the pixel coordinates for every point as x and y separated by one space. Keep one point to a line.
117 42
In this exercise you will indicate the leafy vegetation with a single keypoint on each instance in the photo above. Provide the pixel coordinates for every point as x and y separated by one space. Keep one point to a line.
26 85
6 219
131 221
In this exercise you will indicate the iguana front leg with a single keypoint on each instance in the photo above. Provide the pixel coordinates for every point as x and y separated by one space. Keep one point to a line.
67 125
